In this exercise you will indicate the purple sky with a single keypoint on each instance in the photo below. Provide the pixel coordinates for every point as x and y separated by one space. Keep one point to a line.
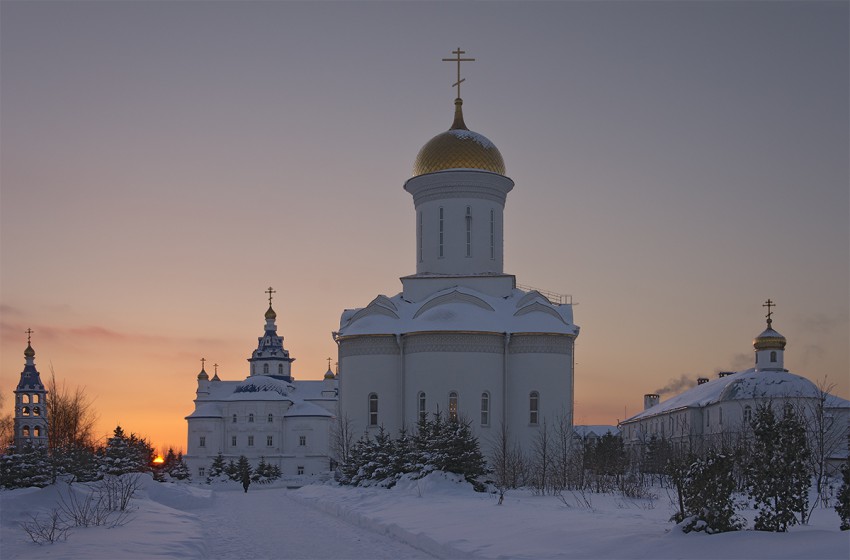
676 164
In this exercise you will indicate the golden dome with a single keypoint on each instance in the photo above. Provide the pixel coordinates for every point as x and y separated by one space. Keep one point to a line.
329 374
769 340
29 352
270 314
458 148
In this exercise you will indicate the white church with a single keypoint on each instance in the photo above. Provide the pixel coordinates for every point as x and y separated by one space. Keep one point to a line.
460 338
267 415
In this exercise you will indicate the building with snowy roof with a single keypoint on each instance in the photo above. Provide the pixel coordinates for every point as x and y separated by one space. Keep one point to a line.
461 337
720 410
267 415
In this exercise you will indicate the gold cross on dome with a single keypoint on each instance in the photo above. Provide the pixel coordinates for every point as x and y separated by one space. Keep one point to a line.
216 368
270 291
458 52
29 334
203 361
329 363
769 304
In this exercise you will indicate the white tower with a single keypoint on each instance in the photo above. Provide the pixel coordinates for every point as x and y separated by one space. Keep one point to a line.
30 403
270 357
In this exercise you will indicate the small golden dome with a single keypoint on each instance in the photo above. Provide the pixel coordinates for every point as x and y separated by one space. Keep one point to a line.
329 374
203 376
458 148
769 340
29 352
270 314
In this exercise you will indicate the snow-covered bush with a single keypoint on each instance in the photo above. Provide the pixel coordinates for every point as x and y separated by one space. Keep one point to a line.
707 496
25 467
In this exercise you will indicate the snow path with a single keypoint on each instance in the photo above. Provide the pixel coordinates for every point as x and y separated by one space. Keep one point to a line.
267 523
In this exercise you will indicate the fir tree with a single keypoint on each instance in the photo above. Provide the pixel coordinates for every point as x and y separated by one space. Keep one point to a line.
779 473
842 505
25 467
217 468
180 470
232 471
245 471
708 489
125 454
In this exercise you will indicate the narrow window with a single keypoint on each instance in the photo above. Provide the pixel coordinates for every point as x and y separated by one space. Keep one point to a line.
265 368
250 441
773 356
26 411
271 418
441 232
36 411
269 441
419 235
251 417
280 369
485 409
233 441
201 471
302 441
373 409
37 431
468 231
35 399
422 406
300 469
492 234
25 431
26 398
453 406
534 408
202 442
234 418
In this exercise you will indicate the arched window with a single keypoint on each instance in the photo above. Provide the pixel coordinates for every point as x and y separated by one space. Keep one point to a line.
485 408
422 405
251 417
748 413
37 431
26 398
468 231
441 232
25 411
25 431
452 406
234 418
280 369
773 356
35 399
373 409
271 418
36 411
265 368
534 408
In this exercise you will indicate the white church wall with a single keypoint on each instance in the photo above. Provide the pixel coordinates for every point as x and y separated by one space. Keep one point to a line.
363 375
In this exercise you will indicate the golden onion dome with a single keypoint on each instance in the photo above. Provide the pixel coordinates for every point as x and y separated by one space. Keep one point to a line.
270 314
29 352
458 148
329 374
203 376
769 340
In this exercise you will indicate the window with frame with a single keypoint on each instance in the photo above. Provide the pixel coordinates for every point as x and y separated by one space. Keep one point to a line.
453 405
468 231
485 408
36 411
265 368
422 403
202 442
373 409
250 441
269 441
234 418
534 408
302 441
773 356
280 369
300 469
201 471
25 431
251 417
233 441
36 431
441 232
271 418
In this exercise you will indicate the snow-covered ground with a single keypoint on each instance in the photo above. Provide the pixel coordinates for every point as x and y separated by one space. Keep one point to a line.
433 517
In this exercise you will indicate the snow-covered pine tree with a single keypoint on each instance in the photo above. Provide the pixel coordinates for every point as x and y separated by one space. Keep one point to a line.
778 472
708 489
217 468
125 454
232 470
25 467
180 470
463 454
245 471
842 500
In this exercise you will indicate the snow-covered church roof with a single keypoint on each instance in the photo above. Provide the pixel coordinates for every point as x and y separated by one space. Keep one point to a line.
302 395
460 309
743 385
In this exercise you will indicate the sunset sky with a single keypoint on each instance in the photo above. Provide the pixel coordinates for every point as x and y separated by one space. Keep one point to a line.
163 163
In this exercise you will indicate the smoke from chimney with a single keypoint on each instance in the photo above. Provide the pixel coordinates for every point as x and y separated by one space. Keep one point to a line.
684 383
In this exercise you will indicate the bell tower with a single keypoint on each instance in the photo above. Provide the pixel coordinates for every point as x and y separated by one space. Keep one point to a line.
30 403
